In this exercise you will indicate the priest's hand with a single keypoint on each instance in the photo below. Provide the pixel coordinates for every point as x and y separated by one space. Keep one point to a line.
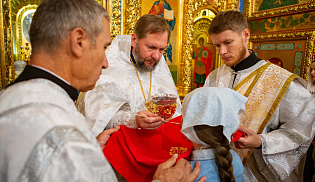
250 140
179 172
103 137
148 121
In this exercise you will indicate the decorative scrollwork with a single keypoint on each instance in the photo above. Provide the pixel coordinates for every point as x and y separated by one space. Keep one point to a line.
233 5
116 18
19 26
201 25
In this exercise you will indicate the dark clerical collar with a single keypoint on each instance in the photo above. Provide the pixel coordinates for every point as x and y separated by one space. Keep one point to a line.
251 60
131 55
31 72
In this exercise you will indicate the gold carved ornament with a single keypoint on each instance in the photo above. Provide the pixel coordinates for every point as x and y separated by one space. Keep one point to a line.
133 13
116 23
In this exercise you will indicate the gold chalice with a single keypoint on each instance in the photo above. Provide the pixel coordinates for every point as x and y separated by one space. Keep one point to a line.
163 104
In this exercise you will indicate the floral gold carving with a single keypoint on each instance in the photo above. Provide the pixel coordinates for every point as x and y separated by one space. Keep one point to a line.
201 25
233 5
116 18
133 13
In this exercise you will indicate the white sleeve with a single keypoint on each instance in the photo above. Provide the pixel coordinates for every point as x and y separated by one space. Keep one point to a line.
123 117
79 162
65 154
211 79
290 131
100 106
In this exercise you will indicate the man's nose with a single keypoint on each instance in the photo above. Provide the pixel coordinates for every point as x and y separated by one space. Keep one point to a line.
105 62
222 50
157 54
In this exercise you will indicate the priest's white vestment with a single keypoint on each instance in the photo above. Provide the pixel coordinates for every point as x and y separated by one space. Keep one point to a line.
287 135
117 95
44 138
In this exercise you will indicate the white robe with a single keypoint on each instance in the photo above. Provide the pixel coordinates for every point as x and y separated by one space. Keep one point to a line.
44 138
117 96
286 137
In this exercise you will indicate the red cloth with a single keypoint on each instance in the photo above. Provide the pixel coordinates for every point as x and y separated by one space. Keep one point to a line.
136 153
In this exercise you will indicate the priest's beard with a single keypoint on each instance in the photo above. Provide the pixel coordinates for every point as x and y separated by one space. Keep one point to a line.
140 61
242 53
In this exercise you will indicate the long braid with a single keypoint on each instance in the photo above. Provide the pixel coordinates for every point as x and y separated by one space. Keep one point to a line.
214 137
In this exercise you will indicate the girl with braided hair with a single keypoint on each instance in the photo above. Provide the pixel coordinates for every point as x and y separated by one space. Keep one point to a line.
210 117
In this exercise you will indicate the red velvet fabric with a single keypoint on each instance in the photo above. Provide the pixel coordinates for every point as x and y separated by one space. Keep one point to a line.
136 153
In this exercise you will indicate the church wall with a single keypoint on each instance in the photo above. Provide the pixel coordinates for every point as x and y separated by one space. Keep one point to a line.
283 30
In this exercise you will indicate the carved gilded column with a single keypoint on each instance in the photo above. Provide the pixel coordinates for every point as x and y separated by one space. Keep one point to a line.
117 11
133 13
1 47
186 61
7 62
309 53
233 5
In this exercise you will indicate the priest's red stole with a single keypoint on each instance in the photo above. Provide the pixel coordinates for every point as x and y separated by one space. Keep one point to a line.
136 153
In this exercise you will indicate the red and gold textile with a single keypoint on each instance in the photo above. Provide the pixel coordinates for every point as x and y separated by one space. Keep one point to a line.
136 153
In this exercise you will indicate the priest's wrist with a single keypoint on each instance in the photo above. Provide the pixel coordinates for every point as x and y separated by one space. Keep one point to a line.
260 143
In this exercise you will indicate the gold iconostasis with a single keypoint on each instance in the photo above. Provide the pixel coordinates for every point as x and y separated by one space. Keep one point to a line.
282 31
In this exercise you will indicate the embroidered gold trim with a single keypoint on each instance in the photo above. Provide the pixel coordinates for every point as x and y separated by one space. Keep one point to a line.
277 101
266 77
259 71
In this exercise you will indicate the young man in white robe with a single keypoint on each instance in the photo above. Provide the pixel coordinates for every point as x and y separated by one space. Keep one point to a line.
278 121
42 135
137 70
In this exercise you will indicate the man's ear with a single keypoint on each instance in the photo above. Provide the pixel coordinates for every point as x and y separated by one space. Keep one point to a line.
246 34
134 40
78 41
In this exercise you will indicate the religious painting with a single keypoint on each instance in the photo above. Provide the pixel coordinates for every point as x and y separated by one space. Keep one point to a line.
203 54
271 4
203 61
292 51
168 9
273 8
